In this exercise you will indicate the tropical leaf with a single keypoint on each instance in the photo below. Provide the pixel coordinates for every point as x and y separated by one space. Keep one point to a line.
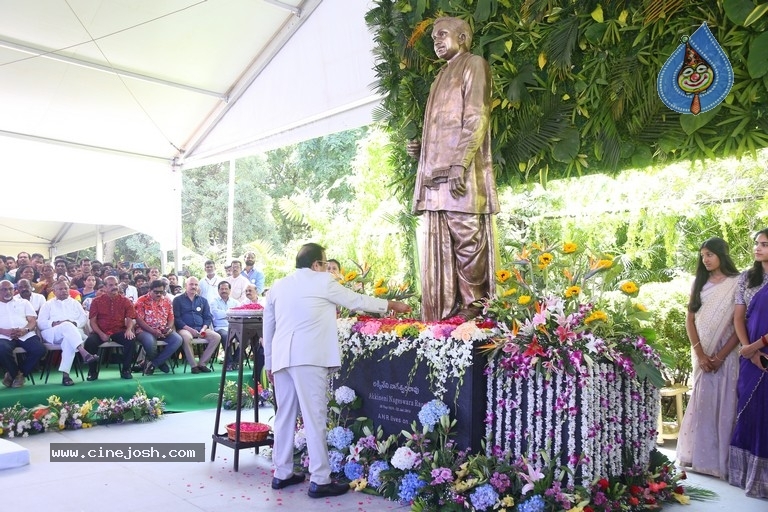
756 14
562 42
757 62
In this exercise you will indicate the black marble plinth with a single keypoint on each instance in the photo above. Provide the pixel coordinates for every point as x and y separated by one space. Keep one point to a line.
392 394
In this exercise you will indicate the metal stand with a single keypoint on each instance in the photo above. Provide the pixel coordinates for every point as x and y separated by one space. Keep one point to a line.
244 330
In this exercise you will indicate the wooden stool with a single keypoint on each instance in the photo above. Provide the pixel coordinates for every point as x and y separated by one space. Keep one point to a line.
672 430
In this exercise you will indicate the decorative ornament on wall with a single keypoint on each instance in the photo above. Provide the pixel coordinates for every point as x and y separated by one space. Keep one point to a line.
697 76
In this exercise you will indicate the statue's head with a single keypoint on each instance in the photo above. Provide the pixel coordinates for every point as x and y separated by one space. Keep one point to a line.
451 36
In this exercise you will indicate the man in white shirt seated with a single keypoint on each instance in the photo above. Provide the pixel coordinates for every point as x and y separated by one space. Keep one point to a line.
17 329
219 308
238 281
61 322
24 289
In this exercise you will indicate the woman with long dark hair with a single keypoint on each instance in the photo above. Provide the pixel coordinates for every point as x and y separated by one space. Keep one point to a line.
748 466
705 436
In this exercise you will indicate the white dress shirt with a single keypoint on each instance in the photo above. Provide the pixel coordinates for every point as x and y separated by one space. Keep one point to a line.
56 310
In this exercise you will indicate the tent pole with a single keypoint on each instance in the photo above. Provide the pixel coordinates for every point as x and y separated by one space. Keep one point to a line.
99 244
177 177
230 212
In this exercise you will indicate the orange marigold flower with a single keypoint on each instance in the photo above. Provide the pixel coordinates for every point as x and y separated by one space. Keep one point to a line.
350 276
503 275
380 290
524 299
545 259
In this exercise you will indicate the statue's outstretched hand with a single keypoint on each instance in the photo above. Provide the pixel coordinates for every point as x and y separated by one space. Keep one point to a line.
456 183
413 148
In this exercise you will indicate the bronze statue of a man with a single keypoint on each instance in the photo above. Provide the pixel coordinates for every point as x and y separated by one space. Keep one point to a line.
455 185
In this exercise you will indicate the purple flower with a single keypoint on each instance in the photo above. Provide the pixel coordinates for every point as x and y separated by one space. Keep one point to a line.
374 480
353 470
500 481
441 476
340 437
410 486
483 497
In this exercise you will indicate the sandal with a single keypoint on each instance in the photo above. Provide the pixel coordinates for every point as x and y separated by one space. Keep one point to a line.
91 358
67 381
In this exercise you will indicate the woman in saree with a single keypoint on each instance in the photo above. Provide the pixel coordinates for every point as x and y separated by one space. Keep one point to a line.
705 436
748 466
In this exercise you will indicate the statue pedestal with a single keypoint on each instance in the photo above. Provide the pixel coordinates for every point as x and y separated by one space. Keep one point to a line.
392 396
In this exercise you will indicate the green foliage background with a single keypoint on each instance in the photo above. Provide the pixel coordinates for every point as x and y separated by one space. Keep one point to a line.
575 81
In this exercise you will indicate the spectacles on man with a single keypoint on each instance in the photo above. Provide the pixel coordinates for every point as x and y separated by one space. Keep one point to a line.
158 292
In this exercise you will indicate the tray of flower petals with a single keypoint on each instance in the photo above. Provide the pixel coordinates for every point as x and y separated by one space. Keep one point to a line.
246 310
249 431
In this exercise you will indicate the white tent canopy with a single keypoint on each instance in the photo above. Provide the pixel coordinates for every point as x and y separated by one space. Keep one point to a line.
102 98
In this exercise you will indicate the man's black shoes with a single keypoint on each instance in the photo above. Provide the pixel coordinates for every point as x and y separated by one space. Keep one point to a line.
326 490
291 480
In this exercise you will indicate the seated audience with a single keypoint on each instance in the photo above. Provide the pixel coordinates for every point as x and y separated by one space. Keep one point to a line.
4 270
22 259
153 274
44 284
37 260
99 290
73 292
96 269
24 289
10 263
251 295
140 281
112 317
85 271
17 329
27 272
219 308
193 317
237 280
73 272
88 291
130 291
154 314
209 285
61 322
60 266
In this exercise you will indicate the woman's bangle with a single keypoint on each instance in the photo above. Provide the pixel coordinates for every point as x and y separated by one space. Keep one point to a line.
696 345
721 360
